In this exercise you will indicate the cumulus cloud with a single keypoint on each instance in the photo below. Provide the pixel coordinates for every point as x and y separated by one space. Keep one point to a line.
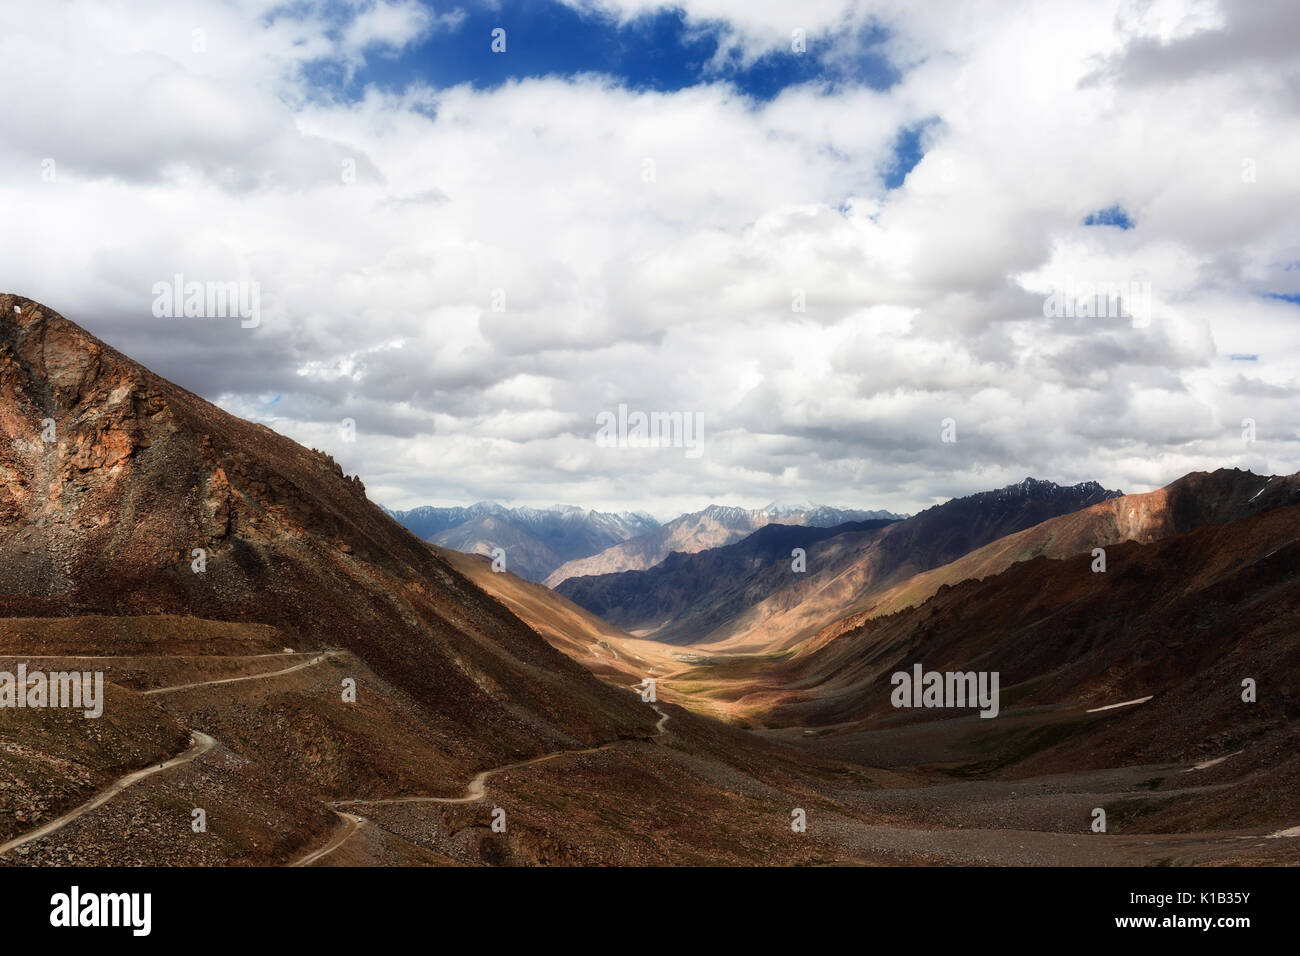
472 274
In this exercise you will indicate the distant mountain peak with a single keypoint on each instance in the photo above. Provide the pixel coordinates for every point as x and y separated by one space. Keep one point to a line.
535 540
1040 487
786 507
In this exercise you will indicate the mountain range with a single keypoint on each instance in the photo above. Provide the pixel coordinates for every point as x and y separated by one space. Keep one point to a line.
536 541
547 544
1157 682
752 595
713 527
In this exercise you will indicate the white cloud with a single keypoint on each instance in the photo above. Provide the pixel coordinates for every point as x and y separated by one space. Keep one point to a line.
676 294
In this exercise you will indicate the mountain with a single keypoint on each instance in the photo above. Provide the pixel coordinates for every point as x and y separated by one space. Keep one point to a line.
770 605
1187 503
106 518
1213 597
1142 664
428 520
713 527
536 540
687 595
607 651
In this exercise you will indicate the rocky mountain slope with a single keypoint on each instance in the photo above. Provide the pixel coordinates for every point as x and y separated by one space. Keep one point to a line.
1183 621
604 649
1187 503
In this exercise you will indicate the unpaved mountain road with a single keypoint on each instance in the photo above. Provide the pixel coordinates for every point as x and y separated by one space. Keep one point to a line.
1123 703
474 792
971 845
235 680
200 743
477 788
351 824
663 721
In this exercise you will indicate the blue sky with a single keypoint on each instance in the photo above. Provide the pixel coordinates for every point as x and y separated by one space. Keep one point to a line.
1110 216
909 148
656 51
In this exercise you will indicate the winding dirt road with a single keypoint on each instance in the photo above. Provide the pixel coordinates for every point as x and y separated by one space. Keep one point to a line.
351 824
477 788
235 680
474 792
1123 703
200 743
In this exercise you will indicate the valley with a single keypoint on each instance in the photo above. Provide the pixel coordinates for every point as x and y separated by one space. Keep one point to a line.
326 689
718 808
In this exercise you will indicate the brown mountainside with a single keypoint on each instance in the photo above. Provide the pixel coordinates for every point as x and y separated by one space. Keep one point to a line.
105 518
1187 503
1184 619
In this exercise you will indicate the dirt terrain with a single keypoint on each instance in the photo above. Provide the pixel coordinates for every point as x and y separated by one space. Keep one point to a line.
287 776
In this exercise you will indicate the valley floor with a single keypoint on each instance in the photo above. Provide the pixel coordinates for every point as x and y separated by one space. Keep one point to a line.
287 773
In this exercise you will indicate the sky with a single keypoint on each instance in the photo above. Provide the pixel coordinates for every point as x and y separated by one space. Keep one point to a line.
833 233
